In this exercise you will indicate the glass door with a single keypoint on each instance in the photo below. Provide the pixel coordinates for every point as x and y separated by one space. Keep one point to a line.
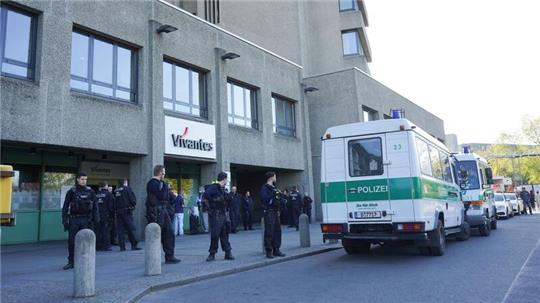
55 185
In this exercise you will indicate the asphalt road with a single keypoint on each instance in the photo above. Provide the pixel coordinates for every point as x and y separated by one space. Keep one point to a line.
479 270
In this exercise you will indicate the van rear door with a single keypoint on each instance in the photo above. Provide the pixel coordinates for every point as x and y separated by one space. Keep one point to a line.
367 179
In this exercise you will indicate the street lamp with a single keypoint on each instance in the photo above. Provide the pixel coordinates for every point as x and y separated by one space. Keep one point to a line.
166 28
310 89
230 56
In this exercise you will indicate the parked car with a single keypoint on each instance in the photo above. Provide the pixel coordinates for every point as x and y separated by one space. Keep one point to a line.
517 204
504 207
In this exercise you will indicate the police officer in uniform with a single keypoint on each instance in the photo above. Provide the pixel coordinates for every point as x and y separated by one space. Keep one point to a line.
215 197
125 204
296 205
158 211
79 211
234 209
271 199
307 205
105 201
284 209
247 206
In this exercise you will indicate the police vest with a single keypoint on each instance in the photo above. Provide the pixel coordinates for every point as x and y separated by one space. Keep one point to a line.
81 203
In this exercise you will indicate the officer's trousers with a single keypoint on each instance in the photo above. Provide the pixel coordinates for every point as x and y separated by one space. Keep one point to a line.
125 225
219 232
272 230
167 236
103 234
247 219
75 224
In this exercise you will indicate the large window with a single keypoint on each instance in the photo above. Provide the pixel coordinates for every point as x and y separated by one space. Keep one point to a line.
365 157
471 170
351 43
423 156
17 42
446 167
184 90
436 167
348 5
283 117
242 105
103 67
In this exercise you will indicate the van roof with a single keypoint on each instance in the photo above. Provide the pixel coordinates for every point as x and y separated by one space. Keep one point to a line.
470 157
378 127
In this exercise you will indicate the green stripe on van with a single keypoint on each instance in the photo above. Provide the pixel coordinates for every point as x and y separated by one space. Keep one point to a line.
383 189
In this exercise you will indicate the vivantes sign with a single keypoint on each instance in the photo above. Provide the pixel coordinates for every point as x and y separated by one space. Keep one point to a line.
189 138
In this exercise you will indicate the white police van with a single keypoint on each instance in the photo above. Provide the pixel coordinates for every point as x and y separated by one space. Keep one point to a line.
389 181
474 178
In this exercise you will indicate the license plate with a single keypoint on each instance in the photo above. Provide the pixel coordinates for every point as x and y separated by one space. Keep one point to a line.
367 214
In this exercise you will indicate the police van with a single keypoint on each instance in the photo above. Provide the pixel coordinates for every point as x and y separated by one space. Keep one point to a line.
475 178
389 181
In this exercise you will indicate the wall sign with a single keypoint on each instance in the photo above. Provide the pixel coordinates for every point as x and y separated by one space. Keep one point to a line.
105 170
189 138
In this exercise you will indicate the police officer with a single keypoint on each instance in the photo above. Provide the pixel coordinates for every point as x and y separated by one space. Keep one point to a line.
79 211
284 209
296 205
158 211
215 197
234 209
307 205
525 196
247 206
124 206
105 202
271 199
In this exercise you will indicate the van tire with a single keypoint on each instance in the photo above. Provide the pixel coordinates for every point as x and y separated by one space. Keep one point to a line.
439 238
485 230
465 232
356 247
494 223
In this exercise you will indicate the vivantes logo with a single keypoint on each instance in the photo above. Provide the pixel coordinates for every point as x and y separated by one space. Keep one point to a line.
182 142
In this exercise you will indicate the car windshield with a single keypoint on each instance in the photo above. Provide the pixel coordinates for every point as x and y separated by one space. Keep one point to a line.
499 198
471 182
510 197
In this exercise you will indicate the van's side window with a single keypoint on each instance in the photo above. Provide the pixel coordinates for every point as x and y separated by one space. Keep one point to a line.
423 156
436 167
447 170
365 157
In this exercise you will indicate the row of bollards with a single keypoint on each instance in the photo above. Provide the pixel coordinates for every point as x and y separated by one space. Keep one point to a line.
84 274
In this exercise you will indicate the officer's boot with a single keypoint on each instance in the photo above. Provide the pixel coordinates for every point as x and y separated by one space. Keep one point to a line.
269 254
228 255
134 247
68 266
278 253
211 257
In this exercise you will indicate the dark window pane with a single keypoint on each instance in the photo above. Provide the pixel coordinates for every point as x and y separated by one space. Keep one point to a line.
365 157
123 67
79 55
17 37
103 62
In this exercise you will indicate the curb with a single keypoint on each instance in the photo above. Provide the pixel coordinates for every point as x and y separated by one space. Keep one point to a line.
167 285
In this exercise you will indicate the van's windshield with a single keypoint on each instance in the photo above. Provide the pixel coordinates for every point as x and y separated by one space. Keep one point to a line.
510 197
471 182
499 198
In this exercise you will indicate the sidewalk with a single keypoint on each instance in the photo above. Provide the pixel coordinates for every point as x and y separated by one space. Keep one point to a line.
33 273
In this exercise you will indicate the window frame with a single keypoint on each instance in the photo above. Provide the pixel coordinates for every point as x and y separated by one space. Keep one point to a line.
32 44
350 158
359 49
203 89
92 36
253 103
355 6
421 141
371 113
275 127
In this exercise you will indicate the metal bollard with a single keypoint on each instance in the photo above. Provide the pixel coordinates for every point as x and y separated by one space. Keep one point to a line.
84 273
305 240
152 250
262 236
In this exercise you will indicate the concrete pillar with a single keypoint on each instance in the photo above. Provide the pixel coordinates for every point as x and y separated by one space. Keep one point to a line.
305 240
84 274
262 236
152 250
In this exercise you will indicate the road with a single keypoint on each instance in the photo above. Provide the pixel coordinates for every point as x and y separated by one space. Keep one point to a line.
479 270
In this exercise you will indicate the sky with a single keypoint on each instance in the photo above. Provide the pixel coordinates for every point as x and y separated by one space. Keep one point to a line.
473 63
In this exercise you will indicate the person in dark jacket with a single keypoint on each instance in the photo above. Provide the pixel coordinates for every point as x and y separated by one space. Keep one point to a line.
296 205
532 199
307 205
234 209
105 202
284 208
125 202
525 196
247 206
271 200
158 211
179 214
80 211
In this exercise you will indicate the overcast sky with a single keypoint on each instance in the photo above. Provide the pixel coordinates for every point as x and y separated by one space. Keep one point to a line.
473 63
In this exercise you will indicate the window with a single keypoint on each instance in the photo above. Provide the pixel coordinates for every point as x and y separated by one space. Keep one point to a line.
369 114
436 167
283 117
351 43
17 43
365 157
184 90
102 67
446 167
471 182
242 106
348 5
423 156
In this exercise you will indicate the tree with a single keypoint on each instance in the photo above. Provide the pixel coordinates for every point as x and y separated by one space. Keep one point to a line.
531 129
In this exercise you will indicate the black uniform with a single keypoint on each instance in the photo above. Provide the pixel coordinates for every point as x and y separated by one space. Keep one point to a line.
79 211
105 201
125 204
307 206
158 211
271 199
296 206
234 210
217 217
284 209
247 207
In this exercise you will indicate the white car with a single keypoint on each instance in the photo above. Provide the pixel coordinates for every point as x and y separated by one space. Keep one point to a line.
517 204
504 207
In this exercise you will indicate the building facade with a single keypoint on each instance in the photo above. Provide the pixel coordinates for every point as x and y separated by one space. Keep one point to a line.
113 88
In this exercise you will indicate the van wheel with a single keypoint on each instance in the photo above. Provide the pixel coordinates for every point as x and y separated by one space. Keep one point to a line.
494 223
465 232
439 238
485 230
355 247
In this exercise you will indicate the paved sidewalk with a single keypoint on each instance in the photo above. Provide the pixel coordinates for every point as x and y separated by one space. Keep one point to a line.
525 287
33 273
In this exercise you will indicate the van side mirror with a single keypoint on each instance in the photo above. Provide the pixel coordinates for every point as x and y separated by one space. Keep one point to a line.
489 175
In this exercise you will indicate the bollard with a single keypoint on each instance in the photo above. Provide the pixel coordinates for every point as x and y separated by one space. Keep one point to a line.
152 250
84 273
305 240
262 234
